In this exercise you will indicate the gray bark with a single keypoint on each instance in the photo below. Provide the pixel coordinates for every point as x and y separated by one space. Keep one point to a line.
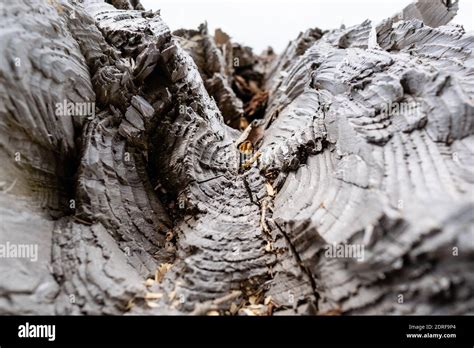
157 179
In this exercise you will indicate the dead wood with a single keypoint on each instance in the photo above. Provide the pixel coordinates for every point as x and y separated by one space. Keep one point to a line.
359 136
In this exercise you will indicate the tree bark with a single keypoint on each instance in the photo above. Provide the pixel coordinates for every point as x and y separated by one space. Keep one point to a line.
209 179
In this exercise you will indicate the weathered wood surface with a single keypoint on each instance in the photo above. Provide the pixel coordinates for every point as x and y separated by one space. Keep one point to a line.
155 176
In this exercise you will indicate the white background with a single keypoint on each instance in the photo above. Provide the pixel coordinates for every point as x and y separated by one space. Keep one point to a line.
260 23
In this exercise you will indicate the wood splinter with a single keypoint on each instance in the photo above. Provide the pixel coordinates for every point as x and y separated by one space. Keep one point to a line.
247 164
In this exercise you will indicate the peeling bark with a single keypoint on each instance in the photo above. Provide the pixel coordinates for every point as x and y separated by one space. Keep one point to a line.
359 136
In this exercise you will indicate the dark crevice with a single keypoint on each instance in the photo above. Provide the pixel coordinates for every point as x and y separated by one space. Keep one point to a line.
304 269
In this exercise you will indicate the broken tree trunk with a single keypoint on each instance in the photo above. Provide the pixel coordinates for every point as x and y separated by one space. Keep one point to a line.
354 140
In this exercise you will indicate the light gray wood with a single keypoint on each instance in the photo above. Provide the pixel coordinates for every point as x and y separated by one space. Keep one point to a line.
367 140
